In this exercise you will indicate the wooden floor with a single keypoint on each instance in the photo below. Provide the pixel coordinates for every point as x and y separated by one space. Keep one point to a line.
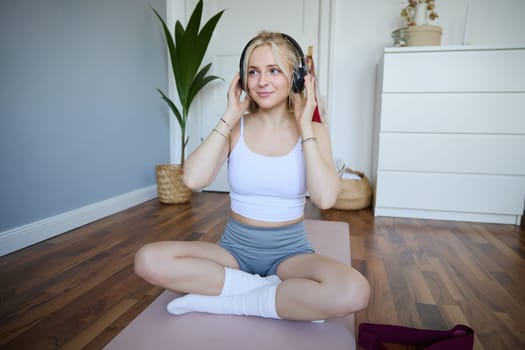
78 290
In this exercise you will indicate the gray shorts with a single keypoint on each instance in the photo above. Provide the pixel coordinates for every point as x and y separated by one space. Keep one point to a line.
260 250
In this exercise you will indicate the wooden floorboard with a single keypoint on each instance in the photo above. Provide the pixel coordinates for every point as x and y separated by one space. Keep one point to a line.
78 290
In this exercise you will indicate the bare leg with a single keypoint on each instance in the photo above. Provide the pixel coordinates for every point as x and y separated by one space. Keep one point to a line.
316 287
196 267
188 267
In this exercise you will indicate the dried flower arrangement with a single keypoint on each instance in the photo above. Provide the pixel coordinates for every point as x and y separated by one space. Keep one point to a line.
408 13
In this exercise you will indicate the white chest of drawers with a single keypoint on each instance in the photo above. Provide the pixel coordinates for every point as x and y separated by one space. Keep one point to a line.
450 134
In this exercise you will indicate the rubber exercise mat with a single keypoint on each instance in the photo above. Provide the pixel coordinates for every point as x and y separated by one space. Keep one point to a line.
156 329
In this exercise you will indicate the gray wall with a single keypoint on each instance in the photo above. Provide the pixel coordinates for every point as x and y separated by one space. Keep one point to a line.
80 119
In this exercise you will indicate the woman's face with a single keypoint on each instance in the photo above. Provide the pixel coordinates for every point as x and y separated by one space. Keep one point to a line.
268 84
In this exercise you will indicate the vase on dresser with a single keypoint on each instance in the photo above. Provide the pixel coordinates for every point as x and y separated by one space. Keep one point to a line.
420 14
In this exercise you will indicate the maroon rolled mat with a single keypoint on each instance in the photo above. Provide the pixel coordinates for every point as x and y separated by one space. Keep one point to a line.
371 336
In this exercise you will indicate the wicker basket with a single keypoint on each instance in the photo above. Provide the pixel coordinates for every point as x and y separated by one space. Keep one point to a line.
170 188
355 194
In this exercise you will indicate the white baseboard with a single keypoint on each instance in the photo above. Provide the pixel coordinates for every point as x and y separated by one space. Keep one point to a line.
26 235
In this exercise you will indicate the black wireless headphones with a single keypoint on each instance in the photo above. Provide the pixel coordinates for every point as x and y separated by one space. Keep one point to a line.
298 72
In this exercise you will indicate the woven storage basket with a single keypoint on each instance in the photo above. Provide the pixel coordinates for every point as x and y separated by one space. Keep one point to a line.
355 194
170 188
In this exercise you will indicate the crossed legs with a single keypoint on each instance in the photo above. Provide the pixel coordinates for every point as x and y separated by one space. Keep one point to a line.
186 267
313 287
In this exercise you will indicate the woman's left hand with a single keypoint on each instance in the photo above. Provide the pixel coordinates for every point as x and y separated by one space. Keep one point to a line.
305 103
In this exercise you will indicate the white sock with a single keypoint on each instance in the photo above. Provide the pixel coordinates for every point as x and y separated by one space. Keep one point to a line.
239 282
258 302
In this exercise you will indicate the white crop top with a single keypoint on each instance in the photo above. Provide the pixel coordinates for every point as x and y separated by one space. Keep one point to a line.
266 188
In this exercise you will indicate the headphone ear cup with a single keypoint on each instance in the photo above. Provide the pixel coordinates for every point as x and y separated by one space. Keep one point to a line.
241 80
241 74
241 61
298 81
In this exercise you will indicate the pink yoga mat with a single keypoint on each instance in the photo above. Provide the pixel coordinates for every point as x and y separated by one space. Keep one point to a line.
156 329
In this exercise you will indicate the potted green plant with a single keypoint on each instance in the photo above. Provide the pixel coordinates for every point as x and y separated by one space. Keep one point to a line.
186 48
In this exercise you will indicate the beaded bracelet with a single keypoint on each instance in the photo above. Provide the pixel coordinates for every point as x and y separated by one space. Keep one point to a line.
220 133
309 139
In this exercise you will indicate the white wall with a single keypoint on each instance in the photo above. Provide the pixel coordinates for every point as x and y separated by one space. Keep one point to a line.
361 30
81 123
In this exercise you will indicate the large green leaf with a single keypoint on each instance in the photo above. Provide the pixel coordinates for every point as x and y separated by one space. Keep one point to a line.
186 50
204 38
179 32
174 59
179 71
199 82
195 20
195 45
180 119
198 85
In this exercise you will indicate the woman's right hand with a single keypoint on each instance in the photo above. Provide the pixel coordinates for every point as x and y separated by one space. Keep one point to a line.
236 106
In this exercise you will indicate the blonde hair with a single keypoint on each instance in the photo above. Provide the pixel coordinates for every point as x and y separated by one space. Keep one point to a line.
285 55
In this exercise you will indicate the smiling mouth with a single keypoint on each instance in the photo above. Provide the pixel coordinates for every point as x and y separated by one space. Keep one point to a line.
264 93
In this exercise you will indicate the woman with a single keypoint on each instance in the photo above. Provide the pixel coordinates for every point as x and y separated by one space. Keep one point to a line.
264 264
